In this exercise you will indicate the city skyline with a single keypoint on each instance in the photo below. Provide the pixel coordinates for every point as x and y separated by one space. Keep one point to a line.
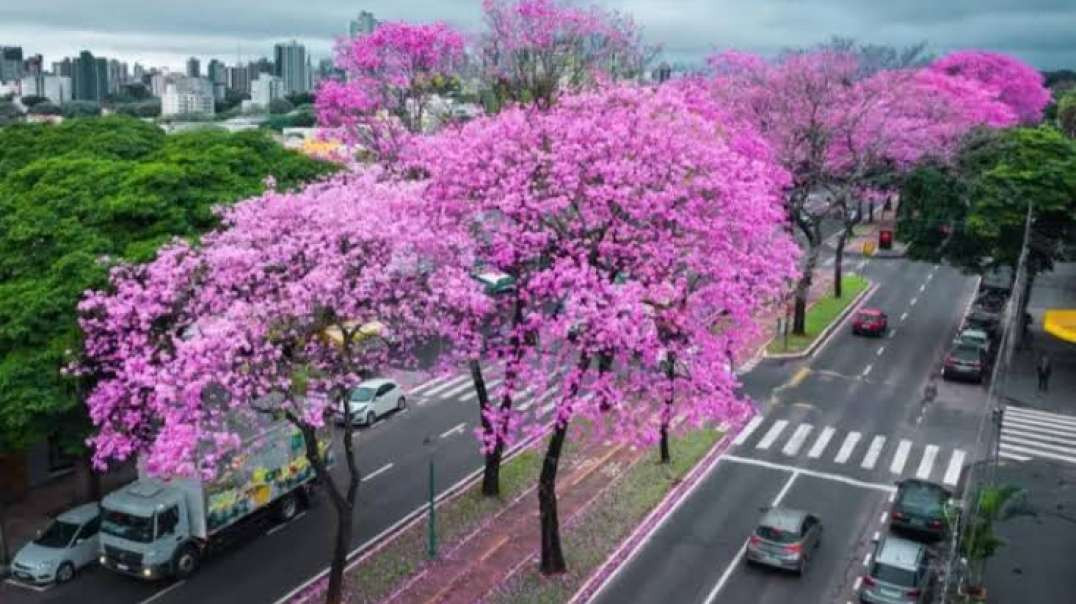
161 36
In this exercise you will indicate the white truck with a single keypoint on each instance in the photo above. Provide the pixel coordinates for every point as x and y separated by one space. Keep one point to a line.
155 528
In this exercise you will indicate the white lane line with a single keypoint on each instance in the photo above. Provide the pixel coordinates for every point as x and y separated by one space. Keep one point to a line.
930 275
875 486
867 560
867 370
458 428
892 496
281 527
793 445
927 463
885 516
449 384
860 265
429 383
829 261
893 333
820 444
845 451
901 457
922 288
1035 425
1008 455
914 300
774 432
881 349
474 393
952 473
527 404
1016 412
464 387
877 536
547 408
873 452
164 591
712 596
903 316
857 584
378 472
1040 436
744 434
1037 445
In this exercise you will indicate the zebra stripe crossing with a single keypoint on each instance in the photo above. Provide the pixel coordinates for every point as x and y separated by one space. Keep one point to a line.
902 457
1031 434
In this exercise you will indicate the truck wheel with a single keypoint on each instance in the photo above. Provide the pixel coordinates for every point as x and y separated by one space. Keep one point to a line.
287 507
65 573
185 563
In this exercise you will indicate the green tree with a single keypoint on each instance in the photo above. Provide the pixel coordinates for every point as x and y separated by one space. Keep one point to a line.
76 197
80 109
31 100
147 108
46 108
1066 114
278 106
9 113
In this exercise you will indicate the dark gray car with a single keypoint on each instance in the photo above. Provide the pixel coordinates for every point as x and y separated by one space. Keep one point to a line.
900 573
785 538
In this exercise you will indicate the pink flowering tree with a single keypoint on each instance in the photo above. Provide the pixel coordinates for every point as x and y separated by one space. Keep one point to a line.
1005 78
283 312
843 131
532 49
622 257
392 75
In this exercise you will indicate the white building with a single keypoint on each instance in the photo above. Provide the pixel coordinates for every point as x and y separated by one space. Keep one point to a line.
186 96
57 89
264 89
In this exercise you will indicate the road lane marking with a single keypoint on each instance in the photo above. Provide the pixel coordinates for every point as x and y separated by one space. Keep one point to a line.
901 457
449 384
927 463
1038 426
881 349
956 462
284 525
712 596
772 435
892 495
867 560
914 300
873 452
465 395
164 591
903 316
1025 433
867 370
930 275
860 265
877 535
857 584
885 516
547 408
922 288
841 478
793 445
829 261
747 430
458 428
1003 452
799 376
379 471
1038 445
461 388
893 333
429 383
845 451
1016 412
820 444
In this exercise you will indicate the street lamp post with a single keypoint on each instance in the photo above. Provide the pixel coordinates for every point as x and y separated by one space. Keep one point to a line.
431 526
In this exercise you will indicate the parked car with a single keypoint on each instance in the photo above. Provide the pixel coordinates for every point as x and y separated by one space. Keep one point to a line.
919 509
976 337
58 552
870 321
373 399
965 361
785 538
900 572
984 321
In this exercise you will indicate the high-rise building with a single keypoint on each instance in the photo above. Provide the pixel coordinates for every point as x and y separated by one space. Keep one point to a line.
103 87
291 66
264 89
215 72
194 68
55 88
187 96
117 75
33 65
138 73
239 78
364 25
89 77
10 63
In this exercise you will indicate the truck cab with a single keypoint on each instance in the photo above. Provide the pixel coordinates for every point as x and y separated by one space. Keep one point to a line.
146 531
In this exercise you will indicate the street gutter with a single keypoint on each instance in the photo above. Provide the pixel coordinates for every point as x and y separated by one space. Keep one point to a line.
827 333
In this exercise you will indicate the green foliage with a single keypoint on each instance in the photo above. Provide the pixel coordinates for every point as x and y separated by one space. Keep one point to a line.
9 113
973 213
80 109
298 119
1066 114
300 98
278 106
147 108
46 108
80 195
979 541
31 100
820 315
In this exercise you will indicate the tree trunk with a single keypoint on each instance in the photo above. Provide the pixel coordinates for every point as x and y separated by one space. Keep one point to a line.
803 288
87 481
4 557
838 265
552 555
666 410
491 473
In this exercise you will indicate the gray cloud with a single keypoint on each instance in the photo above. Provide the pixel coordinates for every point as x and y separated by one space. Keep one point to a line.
157 33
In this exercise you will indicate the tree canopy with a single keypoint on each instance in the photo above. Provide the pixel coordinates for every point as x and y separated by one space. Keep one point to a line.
78 196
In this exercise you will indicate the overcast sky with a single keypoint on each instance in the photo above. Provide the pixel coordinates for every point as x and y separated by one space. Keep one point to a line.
159 33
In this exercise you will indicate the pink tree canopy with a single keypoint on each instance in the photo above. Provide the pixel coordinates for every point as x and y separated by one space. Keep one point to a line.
1004 78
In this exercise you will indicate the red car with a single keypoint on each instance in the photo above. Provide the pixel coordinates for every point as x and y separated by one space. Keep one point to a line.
870 321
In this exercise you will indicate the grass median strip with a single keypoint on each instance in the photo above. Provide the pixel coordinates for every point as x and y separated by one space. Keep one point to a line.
819 316
593 537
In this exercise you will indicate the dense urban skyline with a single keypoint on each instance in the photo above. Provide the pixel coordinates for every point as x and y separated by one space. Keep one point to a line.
1035 31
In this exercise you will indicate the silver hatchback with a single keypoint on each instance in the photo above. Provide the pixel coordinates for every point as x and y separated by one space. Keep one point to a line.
785 538
900 573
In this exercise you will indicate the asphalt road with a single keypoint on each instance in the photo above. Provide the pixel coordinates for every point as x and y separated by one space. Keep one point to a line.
832 436
269 560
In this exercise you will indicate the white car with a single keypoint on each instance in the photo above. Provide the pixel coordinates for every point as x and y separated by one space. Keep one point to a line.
68 544
374 398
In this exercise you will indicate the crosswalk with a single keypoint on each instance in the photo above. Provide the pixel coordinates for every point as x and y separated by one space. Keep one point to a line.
535 400
900 457
1028 433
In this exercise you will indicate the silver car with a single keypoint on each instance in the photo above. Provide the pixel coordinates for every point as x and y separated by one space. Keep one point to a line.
900 573
68 544
372 399
785 538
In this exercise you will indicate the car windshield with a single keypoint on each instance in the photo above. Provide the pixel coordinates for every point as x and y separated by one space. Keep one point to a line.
922 500
362 395
866 316
59 534
127 526
973 338
966 353
893 575
770 533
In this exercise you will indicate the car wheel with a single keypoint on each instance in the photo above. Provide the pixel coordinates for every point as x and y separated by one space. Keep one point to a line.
803 565
65 573
371 417
286 507
401 404
186 562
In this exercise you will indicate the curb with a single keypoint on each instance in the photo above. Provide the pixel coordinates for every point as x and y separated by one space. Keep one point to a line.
827 333
627 549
